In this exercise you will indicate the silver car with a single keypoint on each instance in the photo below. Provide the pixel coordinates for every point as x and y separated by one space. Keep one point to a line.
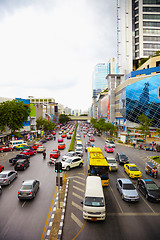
127 190
28 189
6 177
113 166
69 154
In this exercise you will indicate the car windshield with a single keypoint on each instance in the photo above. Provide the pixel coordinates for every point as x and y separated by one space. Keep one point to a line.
3 175
111 160
54 152
109 147
68 154
152 186
124 157
134 169
94 201
68 160
26 187
128 186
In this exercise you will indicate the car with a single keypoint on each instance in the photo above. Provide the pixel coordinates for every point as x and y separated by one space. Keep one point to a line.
35 146
127 190
111 143
60 140
63 135
1 168
0 190
112 164
87 144
69 154
7 176
132 170
91 139
53 133
29 152
28 189
61 146
72 162
40 149
79 151
68 136
121 158
5 149
149 189
18 156
22 147
70 132
60 132
21 164
49 137
55 153
43 140
108 149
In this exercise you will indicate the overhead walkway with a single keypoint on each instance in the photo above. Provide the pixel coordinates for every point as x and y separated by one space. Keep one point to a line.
80 118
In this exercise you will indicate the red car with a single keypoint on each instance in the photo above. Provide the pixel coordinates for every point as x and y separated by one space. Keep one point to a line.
53 133
29 152
35 146
5 149
63 135
70 132
61 146
1 168
91 139
55 154
60 140
108 149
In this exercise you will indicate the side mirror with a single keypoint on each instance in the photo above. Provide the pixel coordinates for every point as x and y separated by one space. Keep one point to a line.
82 202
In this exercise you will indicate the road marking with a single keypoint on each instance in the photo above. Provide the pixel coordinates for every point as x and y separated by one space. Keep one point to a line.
23 203
77 206
79 189
76 177
148 205
134 214
116 199
79 223
76 195
81 173
49 214
79 182
10 186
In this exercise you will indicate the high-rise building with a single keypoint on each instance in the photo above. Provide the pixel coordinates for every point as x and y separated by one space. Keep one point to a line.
138 32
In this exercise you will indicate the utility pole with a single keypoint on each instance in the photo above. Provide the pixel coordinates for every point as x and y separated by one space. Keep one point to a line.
58 170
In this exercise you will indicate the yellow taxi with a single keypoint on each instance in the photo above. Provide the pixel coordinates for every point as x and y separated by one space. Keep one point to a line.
132 170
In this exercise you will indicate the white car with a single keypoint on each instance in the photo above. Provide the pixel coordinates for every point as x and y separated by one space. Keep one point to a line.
110 143
68 155
72 162
40 149
113 166
6 177
79 151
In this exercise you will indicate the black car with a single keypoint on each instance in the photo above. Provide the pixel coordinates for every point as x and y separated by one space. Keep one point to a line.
18 156
43 140
121 158
21 164
149 189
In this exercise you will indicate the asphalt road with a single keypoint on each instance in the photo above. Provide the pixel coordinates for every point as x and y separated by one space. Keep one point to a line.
26 219
125 221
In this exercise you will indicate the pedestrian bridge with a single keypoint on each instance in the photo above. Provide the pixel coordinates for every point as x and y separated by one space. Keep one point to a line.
80 118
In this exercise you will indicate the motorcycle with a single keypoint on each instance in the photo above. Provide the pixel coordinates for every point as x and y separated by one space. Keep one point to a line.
52 161
151 169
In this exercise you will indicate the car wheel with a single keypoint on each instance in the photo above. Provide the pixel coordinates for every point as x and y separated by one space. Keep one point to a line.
9 182
16 175
11 150
80 165
122 197
130 175
67 168
1 150
34 195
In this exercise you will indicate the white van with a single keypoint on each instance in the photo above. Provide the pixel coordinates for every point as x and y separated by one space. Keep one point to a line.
16 143
94 202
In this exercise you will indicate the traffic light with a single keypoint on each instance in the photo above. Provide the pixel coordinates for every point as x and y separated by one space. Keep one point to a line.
58 167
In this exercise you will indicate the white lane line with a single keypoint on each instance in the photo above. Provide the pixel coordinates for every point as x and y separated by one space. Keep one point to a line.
79 223
79 189
116 199
133 214
81 174
10 186
148 204
79 182
76 195
77 206
76 177
23 203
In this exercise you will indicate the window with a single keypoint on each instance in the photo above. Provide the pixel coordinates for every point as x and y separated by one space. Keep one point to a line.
151 45
151 38
148 53
137 33
157 63
152 31
151 1
151 9
151 24
137 40
151 16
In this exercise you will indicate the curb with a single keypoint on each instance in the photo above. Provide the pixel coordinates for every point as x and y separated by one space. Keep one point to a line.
62 216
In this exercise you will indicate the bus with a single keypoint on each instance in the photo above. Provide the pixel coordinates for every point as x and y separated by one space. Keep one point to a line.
97 165
16 143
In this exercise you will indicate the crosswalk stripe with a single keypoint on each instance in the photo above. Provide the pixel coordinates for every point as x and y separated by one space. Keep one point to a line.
77 206
133 214
79 189
79 223
79 182
76 195
76 177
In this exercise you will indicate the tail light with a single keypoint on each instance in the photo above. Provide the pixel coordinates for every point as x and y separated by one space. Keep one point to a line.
30 193
22 165
14 164
4 180
18 193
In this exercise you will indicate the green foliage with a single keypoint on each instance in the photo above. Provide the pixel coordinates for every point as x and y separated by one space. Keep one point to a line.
158 131
45 124
93 121
119 141
101 125
144 125
156 158
73 139
64 118
13 114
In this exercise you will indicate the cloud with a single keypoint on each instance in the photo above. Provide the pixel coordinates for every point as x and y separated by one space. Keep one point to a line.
51 47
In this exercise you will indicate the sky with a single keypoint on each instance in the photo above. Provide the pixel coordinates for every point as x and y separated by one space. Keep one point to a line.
49 48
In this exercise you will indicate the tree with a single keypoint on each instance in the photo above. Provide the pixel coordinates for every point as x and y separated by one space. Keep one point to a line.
144 124
64 118
13 114
45 124
109 127
93 121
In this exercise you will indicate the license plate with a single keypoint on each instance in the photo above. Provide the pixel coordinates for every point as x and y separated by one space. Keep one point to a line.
94 219
132 200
